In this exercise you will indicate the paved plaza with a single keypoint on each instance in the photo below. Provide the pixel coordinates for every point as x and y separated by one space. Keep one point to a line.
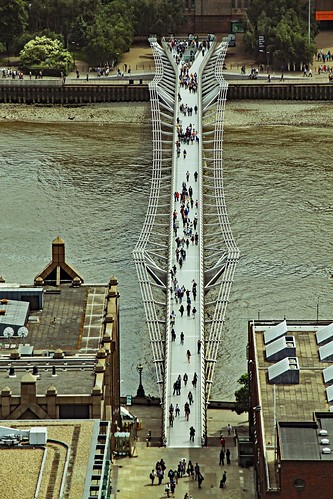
130 475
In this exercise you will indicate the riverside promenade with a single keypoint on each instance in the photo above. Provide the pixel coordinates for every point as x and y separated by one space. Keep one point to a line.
130 475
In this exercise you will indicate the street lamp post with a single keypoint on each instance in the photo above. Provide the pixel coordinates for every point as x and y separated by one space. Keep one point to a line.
140 392
309 24
317 309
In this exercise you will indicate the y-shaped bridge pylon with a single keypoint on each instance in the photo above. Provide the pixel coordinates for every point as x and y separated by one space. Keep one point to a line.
194 169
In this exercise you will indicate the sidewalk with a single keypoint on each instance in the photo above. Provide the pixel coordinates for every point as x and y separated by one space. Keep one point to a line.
130 476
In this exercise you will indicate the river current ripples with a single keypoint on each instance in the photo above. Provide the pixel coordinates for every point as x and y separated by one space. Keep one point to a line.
90 183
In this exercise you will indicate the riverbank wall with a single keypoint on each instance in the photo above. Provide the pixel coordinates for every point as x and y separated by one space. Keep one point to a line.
58 93
49 92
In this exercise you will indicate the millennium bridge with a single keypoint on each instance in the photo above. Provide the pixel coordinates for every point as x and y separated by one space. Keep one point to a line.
186 254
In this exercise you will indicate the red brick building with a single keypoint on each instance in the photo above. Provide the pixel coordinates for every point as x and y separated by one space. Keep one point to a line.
226 16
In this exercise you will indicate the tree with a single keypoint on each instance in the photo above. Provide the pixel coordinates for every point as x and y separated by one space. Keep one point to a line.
46 53
159 17
242 395
60 16
284 26
13 20
111 33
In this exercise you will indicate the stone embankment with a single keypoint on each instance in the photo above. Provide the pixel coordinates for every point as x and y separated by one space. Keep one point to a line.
55 92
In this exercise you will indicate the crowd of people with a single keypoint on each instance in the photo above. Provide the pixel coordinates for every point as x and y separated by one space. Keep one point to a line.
183 469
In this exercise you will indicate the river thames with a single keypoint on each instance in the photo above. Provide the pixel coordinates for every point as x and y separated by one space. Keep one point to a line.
88 182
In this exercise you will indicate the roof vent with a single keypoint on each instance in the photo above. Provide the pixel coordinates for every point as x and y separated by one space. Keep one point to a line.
280 348
323 433
326 450
326 352
324 334
328 374
324 441
274 332
286 371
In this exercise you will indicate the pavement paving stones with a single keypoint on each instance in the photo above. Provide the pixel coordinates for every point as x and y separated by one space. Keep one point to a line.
130 475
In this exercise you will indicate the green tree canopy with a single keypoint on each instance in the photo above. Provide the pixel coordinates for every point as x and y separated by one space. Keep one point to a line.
111 33
284 26
13 20
160 17
47 53
242 395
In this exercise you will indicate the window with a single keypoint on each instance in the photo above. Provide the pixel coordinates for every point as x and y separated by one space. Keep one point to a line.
299 484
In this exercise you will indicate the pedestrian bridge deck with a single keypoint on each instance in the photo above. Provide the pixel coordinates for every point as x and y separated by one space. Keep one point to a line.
194 165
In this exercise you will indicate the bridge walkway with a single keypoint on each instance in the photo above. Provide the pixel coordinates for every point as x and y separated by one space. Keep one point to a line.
186 169
194 170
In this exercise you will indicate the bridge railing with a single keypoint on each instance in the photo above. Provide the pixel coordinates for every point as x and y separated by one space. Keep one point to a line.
219 277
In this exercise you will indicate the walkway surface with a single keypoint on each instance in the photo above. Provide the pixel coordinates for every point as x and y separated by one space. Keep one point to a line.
187 277
130 476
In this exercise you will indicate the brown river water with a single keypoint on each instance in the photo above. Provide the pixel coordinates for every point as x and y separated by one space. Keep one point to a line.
88 179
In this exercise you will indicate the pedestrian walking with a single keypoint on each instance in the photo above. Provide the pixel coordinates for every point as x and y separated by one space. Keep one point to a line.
167 489
188 355
229 429
160 475
187 411
228 456
222 442
152 476
171 418
221 458
194 311
173 335
188 309
182 338
190 397
194 380
177 410
200 480
223 480
195 174
185 378
190 469
196 471
187 176
181 310
199 346
192 434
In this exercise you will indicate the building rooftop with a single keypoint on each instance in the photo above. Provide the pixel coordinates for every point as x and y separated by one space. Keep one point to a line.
72 376
303 441
288 399
71 319
69 461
